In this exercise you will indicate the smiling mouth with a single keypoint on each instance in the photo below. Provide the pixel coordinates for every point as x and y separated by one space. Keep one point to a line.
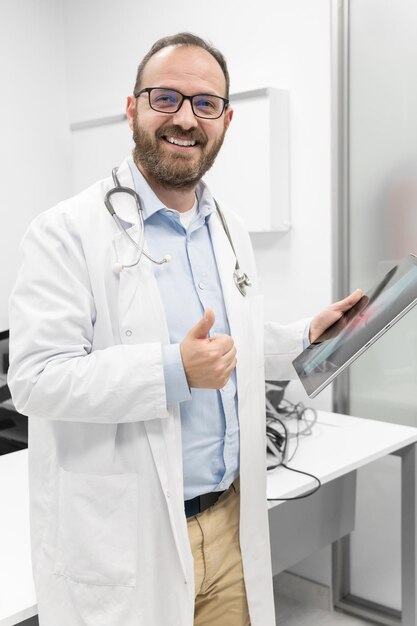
183 143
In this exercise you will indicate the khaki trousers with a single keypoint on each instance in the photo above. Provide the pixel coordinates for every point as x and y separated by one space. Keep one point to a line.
220 594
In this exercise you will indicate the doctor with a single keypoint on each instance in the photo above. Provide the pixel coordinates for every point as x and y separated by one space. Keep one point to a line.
144 382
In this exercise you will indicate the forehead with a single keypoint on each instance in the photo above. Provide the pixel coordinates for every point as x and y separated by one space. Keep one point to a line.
189 69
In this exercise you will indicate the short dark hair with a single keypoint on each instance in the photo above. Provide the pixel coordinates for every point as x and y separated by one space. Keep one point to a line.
182 39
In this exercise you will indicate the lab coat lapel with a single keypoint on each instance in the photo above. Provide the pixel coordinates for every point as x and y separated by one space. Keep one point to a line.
237 306
138 285
226 261
130 277
126 254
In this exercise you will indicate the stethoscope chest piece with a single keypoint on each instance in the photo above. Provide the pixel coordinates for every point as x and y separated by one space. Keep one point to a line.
241 281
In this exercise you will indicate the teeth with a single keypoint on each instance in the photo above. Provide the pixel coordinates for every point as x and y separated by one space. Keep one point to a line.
180 142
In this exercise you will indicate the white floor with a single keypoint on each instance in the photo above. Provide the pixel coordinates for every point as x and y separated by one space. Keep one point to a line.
292 613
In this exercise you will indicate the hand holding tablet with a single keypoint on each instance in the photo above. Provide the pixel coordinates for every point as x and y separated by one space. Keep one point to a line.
359 327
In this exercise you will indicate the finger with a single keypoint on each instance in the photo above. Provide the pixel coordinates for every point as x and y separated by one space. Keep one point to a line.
226 372
348 302
231 367
202 328
223 343
229 359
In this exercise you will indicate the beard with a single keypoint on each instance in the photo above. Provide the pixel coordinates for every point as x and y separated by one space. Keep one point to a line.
173 170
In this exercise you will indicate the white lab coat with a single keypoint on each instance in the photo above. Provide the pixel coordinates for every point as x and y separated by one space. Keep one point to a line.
109 535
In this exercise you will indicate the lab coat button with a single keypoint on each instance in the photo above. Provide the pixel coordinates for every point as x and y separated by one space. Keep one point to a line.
128 333
201 285
168 494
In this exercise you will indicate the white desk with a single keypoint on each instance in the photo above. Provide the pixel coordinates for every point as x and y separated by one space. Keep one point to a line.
17 592
338 446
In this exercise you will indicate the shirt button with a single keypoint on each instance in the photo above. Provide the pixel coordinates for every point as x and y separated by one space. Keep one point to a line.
168 494
222 485
201 285
128 333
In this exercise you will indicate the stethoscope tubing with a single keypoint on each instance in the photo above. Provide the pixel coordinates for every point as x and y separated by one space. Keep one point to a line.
118 188
241 279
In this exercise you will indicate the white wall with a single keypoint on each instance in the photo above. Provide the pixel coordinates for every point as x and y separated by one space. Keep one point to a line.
35 159
278 43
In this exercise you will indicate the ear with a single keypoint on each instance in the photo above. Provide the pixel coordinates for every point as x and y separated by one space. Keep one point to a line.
130 110
228 116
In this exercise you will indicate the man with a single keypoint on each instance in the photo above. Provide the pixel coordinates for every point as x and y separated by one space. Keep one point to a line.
144 380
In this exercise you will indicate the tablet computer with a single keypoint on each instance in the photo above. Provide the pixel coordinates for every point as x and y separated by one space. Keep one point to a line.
357 329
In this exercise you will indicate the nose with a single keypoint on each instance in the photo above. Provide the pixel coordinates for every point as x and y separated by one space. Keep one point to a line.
185 116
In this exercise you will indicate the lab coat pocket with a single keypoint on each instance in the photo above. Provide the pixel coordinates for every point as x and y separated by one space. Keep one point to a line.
97 528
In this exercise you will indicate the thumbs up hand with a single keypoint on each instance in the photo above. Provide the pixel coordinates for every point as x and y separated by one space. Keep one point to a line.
208 361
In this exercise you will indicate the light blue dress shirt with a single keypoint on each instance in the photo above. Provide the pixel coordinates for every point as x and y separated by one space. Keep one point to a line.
188 285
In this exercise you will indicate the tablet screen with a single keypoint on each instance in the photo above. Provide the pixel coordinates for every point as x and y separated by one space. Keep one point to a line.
377 310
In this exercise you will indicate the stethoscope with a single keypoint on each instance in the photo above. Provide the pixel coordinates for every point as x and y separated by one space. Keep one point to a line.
241 279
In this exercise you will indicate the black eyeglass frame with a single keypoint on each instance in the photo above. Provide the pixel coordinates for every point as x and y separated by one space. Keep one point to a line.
148 90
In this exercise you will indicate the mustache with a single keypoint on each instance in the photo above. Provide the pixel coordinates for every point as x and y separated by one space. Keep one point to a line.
193 134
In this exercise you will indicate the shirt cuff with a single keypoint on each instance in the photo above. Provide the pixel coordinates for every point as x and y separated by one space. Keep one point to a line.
176 386
306 337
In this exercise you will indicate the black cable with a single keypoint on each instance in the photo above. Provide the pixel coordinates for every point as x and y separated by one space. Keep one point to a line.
278 442
304 495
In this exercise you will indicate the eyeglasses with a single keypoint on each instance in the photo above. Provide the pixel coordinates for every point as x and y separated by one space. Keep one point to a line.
170 101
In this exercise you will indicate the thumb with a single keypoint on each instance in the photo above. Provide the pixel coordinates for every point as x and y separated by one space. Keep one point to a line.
202 328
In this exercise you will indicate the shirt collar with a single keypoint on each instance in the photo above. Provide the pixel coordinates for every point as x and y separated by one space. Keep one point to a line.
151 203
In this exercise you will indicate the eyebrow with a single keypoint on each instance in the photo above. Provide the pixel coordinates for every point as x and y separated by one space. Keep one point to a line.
198 93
